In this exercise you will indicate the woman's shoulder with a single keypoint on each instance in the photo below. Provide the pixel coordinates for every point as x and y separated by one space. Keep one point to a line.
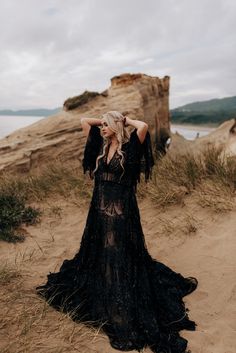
94 132
135 141
141 153
92 149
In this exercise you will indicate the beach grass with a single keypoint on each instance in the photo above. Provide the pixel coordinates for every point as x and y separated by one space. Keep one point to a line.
210 176
35 326
55 178
17 191
8 272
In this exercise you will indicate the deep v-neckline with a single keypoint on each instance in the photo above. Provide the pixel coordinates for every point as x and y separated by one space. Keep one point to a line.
111 157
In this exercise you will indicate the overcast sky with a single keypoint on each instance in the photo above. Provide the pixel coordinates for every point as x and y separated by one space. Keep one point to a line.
55 49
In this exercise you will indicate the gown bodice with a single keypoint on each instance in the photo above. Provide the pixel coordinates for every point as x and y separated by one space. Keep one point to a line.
114 186
138 158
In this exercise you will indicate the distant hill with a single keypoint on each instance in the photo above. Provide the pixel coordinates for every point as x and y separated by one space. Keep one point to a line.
30 112
213 112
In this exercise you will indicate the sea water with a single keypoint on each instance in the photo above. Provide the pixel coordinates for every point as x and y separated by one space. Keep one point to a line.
8 124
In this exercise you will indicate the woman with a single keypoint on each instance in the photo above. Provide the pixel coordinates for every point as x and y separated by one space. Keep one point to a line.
112 280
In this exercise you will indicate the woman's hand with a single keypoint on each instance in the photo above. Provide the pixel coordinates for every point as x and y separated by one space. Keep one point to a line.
141 127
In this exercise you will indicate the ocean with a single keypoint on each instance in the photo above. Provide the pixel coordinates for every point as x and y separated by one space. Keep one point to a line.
8 124
190 132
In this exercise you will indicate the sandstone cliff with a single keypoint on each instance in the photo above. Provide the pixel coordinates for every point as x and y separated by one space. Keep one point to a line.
60 136
223 137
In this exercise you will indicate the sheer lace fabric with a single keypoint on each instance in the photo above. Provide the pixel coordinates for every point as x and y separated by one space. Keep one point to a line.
112 279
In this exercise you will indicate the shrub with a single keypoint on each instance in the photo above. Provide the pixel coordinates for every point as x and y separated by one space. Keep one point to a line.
13 213
77 101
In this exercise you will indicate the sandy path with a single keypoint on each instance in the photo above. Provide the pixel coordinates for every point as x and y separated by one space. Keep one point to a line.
208 254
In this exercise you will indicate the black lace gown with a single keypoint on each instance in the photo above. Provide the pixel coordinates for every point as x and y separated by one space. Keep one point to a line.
112 280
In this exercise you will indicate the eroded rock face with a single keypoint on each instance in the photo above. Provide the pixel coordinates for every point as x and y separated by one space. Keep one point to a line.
147 98
223 137
60 136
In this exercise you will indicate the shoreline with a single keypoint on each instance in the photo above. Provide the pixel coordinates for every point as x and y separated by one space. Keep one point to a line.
194 127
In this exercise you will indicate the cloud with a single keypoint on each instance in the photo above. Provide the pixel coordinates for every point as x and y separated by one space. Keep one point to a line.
53 49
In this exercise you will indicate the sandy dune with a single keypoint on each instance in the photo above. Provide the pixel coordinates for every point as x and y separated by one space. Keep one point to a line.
208 254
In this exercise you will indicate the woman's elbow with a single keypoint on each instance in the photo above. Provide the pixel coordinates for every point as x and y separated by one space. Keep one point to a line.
145 126
84 121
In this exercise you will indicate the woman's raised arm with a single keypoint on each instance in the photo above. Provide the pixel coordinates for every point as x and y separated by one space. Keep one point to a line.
141 127
86 124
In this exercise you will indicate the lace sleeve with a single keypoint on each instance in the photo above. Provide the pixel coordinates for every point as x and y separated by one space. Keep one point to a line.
92 149
142 153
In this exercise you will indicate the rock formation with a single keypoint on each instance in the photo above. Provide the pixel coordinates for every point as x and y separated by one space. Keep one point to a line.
60 136
223 136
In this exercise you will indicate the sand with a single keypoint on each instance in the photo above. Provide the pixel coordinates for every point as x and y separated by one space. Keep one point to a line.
208 254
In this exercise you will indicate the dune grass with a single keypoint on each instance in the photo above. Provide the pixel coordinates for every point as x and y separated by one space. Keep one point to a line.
8 273
209 176
56 179
173 177
31 325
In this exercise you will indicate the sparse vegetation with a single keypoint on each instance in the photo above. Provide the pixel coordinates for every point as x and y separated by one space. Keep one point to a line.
54 179
210 176
36 325
174 177
215 195
8 273
185 224
15 191
77 101
13 213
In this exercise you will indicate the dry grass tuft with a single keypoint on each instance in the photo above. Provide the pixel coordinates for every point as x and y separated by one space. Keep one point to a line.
208 174
8 273
179 226
39 328
59 178
216 196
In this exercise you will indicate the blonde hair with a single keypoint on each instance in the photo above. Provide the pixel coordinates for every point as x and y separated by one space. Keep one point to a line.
114 120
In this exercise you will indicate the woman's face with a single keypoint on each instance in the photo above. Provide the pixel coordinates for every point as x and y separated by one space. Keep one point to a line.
106 131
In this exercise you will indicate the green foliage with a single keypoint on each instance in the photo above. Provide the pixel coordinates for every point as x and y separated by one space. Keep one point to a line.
77 101
13 213
214 111
213 105
197 118
53 180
